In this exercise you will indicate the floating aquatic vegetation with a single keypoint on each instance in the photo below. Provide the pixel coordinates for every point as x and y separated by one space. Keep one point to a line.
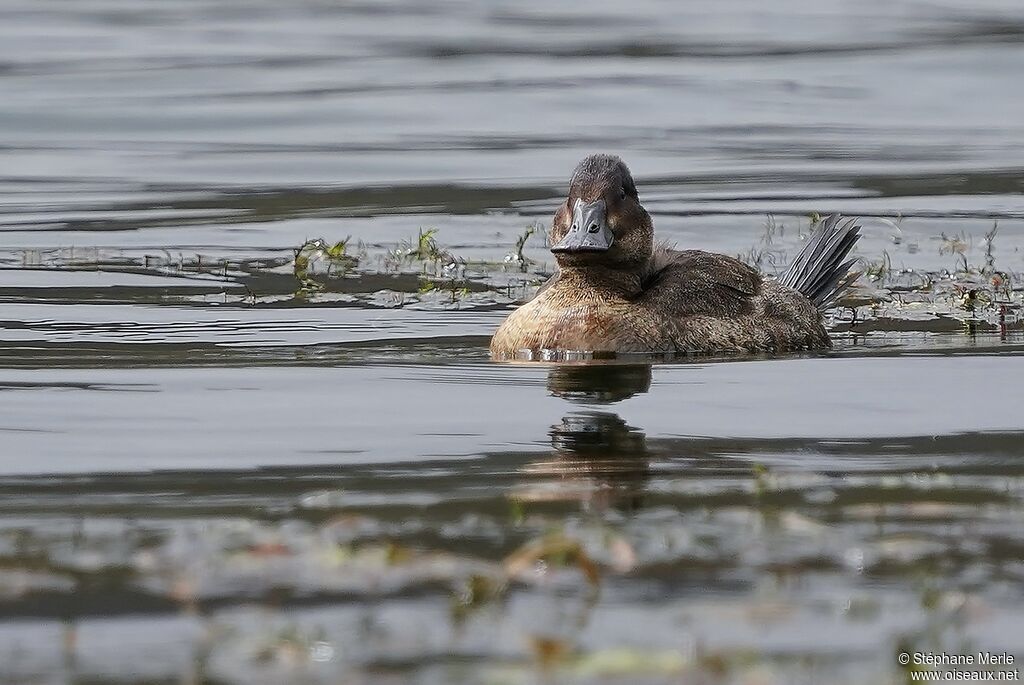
765 256
455 288
978 291
316 260
552 551
971 294
516 256
426 248
422 250
476 591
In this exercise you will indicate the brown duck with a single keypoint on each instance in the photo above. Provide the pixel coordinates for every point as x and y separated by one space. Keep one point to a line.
616 292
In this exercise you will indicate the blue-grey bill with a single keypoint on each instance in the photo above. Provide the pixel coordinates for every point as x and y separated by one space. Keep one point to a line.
589 231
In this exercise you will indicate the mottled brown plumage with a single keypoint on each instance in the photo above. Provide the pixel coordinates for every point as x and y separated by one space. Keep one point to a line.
615 292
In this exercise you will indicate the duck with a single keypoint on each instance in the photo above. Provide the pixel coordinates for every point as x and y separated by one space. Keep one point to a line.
616 292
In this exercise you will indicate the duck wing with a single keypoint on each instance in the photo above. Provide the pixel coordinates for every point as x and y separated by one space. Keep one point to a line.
694 282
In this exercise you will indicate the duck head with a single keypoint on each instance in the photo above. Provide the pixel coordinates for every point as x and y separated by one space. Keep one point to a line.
602 223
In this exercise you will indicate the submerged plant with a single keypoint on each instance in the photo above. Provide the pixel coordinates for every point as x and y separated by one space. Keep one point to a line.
318 258
338 249
426 250
457 288
426 246
957 244
554 550
989 240
879 269
517 256
477 591
762 479
766 256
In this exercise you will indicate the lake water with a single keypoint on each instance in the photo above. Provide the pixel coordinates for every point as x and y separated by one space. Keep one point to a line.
212 471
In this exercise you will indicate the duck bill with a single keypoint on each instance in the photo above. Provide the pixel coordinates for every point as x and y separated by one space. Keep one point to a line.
589 231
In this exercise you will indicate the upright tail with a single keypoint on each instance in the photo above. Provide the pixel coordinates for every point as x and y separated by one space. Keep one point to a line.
819 271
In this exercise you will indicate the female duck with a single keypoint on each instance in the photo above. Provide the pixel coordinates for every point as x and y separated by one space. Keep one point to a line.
614 292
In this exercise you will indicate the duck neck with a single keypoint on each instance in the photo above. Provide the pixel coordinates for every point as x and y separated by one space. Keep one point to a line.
601 280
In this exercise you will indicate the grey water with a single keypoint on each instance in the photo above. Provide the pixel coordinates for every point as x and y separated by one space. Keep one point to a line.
211 473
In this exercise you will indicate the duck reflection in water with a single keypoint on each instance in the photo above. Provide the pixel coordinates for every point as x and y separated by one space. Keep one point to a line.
597 458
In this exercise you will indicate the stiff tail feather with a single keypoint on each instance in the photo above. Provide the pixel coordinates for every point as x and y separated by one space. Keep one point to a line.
819 271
